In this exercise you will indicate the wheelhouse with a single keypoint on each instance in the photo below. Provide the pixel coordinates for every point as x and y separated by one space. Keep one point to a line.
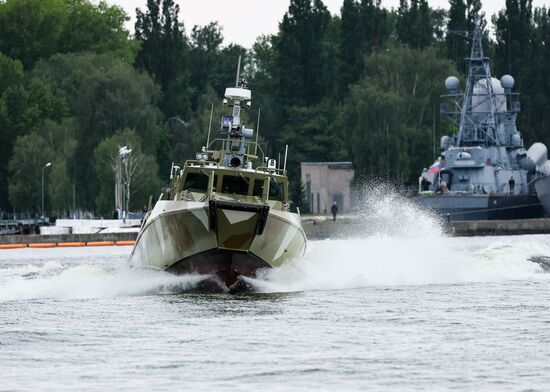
201 180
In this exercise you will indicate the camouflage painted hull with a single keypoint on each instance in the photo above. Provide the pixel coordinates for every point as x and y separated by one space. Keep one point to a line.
224 239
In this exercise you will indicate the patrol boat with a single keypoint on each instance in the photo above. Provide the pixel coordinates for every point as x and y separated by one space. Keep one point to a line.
222 216
484 172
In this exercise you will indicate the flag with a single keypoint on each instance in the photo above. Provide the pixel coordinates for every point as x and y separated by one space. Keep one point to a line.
435 168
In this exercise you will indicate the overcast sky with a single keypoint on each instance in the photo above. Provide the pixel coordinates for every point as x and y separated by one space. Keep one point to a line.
244 20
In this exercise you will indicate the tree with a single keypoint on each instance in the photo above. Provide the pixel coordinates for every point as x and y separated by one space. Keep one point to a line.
301 54
60 188
62 183
515 55
31 29
414 23
536 118
37 29
31 152
23 108
142 168
105 95
97 28
205 48
264 82
163 53
365 27
388 113
462 18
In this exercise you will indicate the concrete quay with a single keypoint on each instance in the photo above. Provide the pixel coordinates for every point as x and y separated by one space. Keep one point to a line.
63 238
499 227
316 228
322 227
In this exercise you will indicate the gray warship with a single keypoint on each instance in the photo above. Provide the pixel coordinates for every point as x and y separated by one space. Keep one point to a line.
483 171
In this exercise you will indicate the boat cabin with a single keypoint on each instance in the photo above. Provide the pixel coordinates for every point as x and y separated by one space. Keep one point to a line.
201 181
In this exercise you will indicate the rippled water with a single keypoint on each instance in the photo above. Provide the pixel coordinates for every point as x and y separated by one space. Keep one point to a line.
399 310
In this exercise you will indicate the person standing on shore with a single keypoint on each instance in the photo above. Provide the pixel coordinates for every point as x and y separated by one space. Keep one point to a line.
334 210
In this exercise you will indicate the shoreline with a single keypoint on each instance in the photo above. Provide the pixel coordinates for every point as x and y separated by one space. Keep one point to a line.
316 227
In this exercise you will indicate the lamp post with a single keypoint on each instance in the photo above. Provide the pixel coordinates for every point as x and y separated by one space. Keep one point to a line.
45 166
124 180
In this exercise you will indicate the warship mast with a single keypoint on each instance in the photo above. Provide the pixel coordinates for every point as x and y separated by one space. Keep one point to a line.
484 117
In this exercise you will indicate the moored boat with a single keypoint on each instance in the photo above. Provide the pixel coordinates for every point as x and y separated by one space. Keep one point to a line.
483 171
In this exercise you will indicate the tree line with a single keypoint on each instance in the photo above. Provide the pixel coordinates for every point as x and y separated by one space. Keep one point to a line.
364 86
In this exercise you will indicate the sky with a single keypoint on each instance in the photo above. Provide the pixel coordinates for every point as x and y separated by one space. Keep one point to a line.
244 20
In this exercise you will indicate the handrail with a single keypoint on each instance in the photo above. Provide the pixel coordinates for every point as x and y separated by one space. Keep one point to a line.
202 163
266 169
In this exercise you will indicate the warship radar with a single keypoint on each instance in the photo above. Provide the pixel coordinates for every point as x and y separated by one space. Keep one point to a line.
224 215
483 171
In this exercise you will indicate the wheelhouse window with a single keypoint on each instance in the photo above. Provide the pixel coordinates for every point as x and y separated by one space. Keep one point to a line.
276 191
197 182
258 189
235 185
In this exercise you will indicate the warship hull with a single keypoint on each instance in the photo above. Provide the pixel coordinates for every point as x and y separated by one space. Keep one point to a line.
227 240
542 186
483 207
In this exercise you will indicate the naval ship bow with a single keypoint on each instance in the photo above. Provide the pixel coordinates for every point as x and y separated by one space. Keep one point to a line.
483 172
223 215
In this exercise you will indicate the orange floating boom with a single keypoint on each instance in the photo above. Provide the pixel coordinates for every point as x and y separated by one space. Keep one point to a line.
43 245
100 243
121 243
70 244
12 246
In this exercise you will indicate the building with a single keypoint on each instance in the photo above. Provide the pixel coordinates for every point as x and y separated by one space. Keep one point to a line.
325 183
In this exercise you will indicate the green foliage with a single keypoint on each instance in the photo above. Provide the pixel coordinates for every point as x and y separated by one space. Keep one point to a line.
163 53
415 25
297 193
31 29
316 124
97 28
144 179
211 65
11 72
389 112
105 95
36 29
60 188
301 58
462 14
31 152
365 27
23 107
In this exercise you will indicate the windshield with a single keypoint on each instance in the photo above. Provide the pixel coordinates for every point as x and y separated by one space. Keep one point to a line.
235 185
197 182
276 191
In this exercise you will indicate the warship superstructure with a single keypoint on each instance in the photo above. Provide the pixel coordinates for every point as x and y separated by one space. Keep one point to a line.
222 216
483 172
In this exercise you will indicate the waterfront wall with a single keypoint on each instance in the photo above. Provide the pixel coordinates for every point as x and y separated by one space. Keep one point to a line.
324 228
319 227
61 238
